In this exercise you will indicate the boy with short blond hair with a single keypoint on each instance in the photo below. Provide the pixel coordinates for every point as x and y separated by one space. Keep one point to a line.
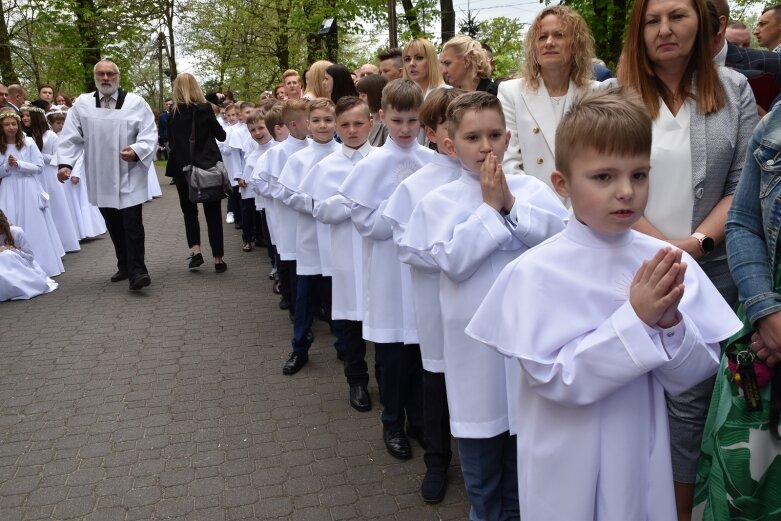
443 168
353 124
260 142
233 157
389 319
272 118
470 229
313 285
603 320
294 118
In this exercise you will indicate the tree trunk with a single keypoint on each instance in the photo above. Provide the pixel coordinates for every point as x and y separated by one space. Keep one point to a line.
6 64
448 19
618 21
169 21
86 14
411 15
282 40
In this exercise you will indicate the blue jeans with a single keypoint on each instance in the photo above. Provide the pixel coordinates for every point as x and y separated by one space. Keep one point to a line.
490 469
313 292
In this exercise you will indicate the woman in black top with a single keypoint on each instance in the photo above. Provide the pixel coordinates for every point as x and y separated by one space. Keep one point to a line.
189 103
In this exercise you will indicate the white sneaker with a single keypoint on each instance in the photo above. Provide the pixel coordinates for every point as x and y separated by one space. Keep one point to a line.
229 218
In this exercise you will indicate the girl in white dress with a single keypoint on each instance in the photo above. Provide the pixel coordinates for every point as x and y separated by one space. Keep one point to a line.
86 217
22 196
36 126
21 278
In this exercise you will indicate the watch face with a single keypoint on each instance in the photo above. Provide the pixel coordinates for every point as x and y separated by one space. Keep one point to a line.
708 244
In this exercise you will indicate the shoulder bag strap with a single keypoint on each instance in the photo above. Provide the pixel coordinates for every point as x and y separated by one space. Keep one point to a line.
192 150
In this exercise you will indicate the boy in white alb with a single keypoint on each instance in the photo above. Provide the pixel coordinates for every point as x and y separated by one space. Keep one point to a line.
388 314
283 221
443 168
471 228
229 123
353 124
603 320
276 127
233 157
312 288
259 143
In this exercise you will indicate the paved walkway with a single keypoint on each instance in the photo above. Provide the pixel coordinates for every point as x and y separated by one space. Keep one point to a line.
170 403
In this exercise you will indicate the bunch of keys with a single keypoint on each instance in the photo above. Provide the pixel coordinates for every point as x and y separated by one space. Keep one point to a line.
747 378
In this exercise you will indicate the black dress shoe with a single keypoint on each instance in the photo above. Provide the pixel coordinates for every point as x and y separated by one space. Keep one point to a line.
295 363
247 246
434 485
416 433
140 281
359 398
196 259
397 444
119 275
220 267
284 303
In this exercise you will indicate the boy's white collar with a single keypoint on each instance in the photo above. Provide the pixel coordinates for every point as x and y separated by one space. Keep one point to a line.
363 150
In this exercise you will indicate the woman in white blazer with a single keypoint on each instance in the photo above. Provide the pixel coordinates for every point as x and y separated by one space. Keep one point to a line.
559 49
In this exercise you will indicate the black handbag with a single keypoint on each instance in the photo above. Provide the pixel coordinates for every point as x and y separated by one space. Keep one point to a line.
206 185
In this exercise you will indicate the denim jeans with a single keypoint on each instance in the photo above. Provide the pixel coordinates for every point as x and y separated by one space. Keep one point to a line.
490 469
754 220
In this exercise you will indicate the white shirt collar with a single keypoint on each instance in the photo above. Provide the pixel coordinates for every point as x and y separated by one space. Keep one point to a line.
363 150
721 56
778 48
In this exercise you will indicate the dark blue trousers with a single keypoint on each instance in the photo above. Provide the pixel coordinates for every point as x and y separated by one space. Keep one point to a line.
490 469
401 385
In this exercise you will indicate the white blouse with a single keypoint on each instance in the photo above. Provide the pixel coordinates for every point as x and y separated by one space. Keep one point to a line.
671 196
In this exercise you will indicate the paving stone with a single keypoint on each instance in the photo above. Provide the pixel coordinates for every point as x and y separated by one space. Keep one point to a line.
74 508
180 415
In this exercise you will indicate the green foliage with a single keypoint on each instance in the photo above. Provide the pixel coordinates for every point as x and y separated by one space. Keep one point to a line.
607 20
49 44
505 36
245 45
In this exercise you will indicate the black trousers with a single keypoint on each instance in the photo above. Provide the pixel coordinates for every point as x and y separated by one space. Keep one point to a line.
355 369
234 204
401 385
287 279
126 229
213 213
265 235
436 422
249 218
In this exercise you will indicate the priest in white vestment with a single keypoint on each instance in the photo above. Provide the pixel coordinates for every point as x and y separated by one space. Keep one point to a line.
116 132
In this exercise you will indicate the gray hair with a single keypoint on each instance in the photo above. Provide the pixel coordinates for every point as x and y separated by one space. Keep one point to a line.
105 60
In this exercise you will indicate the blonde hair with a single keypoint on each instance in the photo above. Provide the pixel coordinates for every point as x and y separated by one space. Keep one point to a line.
582 71
294 108
471 101
612 122
186 91
474 54
314 79
402 94
322 104
424 47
